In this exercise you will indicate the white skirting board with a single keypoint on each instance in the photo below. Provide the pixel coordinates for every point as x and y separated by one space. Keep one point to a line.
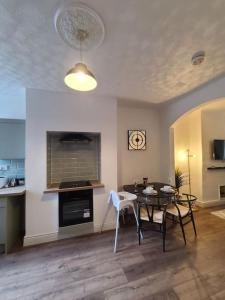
54 236
210 203
40 239
107 226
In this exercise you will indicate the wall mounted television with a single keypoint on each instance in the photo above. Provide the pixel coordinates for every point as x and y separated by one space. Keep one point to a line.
219 149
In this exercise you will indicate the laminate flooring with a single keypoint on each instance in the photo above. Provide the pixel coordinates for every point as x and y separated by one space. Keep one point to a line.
86 268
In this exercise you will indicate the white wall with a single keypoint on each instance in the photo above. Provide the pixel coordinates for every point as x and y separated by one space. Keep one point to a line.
134 165
172 110
213 127
13 104
196 131
65 112
188 135
181 144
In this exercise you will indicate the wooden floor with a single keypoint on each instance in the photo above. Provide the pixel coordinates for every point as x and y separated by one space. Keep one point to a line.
86 268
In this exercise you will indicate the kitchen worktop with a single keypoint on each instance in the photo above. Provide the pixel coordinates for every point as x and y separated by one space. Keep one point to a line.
13 191
56 189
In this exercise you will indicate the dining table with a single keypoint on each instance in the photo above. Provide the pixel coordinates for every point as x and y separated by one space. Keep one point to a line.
161 199
160 195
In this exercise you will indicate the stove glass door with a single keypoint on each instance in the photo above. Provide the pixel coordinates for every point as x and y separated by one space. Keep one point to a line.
75 207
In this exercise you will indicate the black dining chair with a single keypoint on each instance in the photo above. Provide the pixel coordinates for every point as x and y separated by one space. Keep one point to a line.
181 209
150 212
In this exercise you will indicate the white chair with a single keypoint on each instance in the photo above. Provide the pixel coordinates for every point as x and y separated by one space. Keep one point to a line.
120 201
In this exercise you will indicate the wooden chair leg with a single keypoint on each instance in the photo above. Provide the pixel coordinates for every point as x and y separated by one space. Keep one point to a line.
193 223
135 215
164 237
123 218
117 227
139 223
182 228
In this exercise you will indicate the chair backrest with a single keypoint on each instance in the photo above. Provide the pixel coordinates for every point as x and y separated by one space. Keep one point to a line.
114 198
190 199
153 212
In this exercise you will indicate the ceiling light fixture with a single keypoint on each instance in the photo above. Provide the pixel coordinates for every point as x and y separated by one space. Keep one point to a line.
81 28
80 78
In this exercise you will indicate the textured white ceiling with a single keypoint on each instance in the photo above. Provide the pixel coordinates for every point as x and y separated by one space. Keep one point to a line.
145 56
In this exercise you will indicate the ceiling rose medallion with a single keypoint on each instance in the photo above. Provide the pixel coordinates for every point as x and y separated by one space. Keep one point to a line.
82 29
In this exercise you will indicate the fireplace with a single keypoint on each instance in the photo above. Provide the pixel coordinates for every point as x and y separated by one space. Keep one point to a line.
75 207
73 156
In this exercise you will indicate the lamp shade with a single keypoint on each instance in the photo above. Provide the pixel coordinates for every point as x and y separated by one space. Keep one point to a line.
80 78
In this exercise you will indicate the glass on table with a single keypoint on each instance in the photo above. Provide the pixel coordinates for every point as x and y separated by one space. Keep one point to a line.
145 181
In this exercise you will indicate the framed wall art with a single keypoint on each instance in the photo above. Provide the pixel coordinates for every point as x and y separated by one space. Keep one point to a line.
136 139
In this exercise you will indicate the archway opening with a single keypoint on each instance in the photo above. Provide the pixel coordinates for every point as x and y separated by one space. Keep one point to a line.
193 136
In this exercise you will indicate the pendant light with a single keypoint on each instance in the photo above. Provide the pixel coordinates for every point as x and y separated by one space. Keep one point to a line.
80 78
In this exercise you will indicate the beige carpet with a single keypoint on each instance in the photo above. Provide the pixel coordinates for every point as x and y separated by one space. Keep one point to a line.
219 213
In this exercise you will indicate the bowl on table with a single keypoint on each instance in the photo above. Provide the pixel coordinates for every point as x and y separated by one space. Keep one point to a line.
167 189
149 191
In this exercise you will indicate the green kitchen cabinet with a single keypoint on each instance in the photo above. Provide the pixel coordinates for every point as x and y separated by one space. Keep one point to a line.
12 223
12 136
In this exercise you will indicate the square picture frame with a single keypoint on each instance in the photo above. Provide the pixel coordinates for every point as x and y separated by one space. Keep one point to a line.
136 139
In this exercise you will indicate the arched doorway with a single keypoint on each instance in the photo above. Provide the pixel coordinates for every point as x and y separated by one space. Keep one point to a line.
191 139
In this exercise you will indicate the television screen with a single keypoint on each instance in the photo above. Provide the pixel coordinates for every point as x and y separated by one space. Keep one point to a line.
219 149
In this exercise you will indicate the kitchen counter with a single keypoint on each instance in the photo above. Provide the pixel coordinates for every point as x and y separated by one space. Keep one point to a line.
13 191
56 189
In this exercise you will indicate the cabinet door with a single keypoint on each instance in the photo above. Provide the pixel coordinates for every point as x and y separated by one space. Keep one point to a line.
2 224
12 137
